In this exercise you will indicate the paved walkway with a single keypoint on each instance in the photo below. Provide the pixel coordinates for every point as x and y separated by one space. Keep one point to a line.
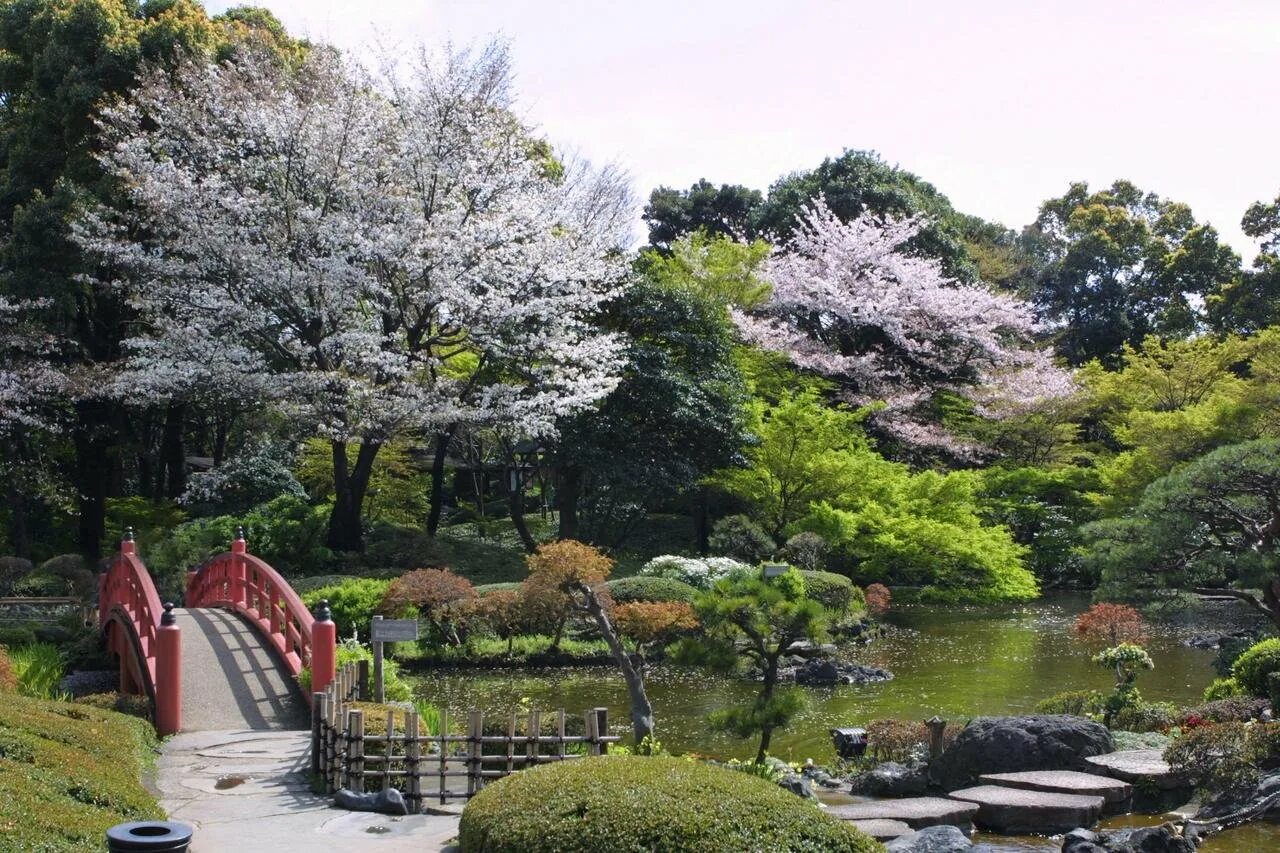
244 791
230 680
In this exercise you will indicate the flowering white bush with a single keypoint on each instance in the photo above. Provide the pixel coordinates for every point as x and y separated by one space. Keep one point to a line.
254 476
698 573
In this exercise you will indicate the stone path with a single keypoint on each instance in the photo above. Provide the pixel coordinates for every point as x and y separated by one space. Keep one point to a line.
915 812
230 680
1015 811
883 830
1114 791
1139 766
245 791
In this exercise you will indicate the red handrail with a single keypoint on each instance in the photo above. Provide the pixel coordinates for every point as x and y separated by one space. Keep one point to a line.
246 584
126 588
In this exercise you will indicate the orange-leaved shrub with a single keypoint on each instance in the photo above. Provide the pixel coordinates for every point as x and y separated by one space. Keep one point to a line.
877 597
438 595
654 622
1112 624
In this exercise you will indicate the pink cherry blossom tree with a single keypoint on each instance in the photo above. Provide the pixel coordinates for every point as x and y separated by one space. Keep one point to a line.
849 304
370 254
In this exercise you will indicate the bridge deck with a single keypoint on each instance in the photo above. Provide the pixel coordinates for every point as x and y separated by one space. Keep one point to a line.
230 680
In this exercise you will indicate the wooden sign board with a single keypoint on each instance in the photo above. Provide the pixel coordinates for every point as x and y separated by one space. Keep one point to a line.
393 630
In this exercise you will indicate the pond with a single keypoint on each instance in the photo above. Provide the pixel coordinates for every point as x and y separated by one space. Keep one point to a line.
954 662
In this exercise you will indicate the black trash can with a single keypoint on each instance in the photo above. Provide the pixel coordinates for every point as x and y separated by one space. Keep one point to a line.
149 835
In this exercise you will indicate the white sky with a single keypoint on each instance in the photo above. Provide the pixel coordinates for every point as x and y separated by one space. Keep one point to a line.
999 103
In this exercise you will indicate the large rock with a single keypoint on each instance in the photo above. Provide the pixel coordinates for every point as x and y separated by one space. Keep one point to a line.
1015 811
1151 839
1262 798
1013 744
891 779
827 672
932 839
389 801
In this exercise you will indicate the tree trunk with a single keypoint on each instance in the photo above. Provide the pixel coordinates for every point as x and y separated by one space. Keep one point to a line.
443 440
92 470
517 515
349 487
19 522
173 458
570 493
766 696
642 722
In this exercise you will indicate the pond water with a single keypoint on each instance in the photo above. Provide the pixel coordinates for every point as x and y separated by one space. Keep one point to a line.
954 662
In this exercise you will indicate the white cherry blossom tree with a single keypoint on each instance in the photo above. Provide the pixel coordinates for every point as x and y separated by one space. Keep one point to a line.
370 254
849 304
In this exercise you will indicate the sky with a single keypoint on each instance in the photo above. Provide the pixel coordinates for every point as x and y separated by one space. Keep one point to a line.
1000 104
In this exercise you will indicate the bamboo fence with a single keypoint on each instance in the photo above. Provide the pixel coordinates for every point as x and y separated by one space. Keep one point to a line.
439 766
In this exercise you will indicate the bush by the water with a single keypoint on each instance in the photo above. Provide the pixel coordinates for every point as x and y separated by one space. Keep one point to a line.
1077 703
1223 688
1252 668
631 803
1226 756
642 588
834 592
352 603
68 772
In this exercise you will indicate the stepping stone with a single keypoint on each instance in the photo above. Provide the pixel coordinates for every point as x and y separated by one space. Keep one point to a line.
1016 812
881 829
915 812
1113 791
1143 766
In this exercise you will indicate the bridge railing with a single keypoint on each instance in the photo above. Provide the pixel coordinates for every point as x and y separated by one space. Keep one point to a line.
246 584
144 635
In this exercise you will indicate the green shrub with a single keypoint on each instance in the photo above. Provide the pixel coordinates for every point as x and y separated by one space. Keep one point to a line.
1077 703
75 574
832 591
121 703
69 772
806 551
625 590
394 687
38 668
352 603
742 539
1252 667
41 585
1225 756
1141 740
633 803
12 570
1240 709
1145 717
19 635
1223 688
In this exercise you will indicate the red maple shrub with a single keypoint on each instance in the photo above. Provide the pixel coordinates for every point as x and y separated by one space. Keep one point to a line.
1112 624
878 597
654 622
438 595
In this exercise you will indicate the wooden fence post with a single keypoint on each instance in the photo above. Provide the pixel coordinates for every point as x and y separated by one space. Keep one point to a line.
937 726
386 759
560 735
592 734
355 752
475 729
535 733
362 680
412 753
602 729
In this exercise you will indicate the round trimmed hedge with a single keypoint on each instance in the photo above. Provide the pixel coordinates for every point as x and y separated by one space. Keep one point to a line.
1252 667
644 588
631 803
832 591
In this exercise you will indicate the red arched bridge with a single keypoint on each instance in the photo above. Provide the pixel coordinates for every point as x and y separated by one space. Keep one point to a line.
230 657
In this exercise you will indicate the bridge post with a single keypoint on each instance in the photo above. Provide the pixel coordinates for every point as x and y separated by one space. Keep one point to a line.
238 547
324 648
168 674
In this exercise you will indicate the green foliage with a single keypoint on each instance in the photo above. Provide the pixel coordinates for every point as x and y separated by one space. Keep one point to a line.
1225 756
625 590
1145 717
740 538
1223 688
832 591
1077 703
1252 668
521 650
39 668
720 270
1201 526
13 570
68 772
353 651
151 520
806 551
724 211
635 803
1043 508
618 461
286 532
14 636
1119 265
353 603
398 489
804 455
775 712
